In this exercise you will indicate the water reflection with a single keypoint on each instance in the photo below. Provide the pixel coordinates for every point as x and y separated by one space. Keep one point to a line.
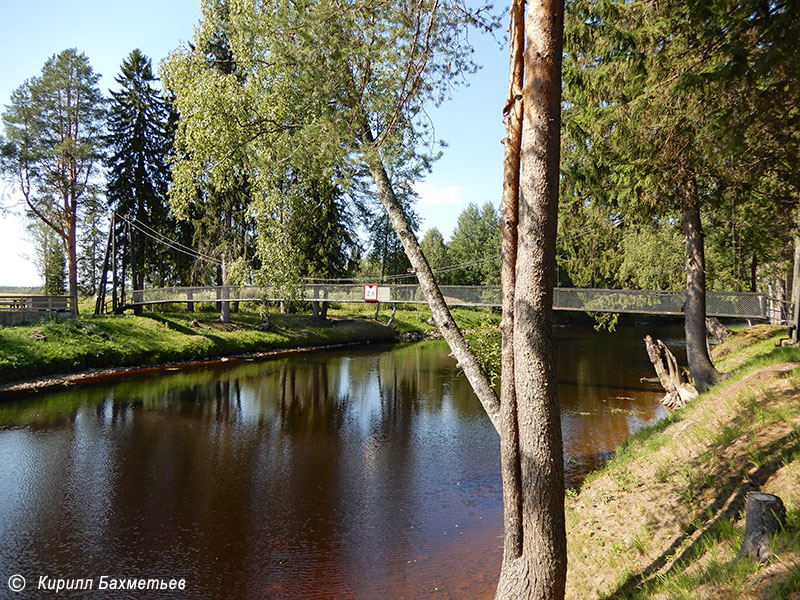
356 474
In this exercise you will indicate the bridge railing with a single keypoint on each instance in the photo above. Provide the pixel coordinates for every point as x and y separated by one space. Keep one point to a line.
746 305
750 305
29 308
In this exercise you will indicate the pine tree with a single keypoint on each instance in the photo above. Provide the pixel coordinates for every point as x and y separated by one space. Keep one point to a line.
53 141
660 104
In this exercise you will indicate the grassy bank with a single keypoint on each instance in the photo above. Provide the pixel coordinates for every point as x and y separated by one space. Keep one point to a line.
53 347
664 518
108 341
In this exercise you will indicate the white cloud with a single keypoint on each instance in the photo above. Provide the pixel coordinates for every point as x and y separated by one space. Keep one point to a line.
433 195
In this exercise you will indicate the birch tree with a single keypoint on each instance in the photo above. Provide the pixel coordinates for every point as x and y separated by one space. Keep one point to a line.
338 90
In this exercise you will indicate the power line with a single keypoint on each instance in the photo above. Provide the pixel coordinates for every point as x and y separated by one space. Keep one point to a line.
164 240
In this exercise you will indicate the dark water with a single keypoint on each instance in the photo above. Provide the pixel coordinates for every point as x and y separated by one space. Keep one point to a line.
352 474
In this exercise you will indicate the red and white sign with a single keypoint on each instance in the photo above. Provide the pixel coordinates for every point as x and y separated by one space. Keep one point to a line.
370 292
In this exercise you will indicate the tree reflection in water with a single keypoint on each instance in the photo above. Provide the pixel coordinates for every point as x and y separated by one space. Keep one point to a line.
353 474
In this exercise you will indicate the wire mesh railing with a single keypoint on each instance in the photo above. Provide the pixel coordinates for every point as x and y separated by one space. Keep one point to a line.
746 305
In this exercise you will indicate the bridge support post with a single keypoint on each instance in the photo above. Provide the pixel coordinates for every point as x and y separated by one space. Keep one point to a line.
225 308
315 304
225 305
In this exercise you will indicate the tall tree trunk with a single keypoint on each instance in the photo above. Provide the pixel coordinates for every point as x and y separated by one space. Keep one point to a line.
700 366
72 260
441 314
539 572
509 436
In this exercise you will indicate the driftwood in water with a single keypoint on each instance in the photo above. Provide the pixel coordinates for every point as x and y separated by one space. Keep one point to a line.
679 390
717 330
765 515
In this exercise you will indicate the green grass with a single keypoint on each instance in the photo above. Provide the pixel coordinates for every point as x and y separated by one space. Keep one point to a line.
702 541
161 336
125 340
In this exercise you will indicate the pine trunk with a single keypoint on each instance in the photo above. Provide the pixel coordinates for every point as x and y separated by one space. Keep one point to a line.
509 436
703 373
72 258
539 571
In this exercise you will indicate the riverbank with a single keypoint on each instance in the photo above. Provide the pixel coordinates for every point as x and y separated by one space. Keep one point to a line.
68 351
664 518
60 352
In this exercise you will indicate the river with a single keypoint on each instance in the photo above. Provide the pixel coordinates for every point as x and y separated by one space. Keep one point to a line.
356 473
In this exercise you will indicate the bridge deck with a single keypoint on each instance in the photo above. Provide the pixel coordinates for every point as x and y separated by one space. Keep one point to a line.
746 305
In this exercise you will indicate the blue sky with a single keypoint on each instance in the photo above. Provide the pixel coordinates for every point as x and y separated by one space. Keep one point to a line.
106 31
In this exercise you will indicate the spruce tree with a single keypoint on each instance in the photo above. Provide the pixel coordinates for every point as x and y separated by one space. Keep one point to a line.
139 138
660 104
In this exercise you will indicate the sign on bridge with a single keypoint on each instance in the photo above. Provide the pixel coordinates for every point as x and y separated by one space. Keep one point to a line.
376 293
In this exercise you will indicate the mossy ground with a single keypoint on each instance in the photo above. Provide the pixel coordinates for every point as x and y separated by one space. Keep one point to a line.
664 518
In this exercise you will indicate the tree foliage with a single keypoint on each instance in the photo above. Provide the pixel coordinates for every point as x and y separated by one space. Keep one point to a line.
657 92
665 105
139 137
476 245
53 132
294 110
50 260
435 249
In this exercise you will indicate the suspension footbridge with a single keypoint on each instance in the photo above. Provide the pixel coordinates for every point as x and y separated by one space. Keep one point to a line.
744 305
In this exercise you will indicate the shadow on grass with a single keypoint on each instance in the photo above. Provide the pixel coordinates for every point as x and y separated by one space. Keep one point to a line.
171 324
728 504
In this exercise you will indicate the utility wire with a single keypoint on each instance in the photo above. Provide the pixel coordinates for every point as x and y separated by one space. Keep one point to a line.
162 239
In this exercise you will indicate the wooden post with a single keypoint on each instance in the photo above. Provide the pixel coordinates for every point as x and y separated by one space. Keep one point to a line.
225 308
315 304
324 309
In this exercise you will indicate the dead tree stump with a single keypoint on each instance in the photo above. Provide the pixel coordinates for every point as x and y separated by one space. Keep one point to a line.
764 515
717 330
679 390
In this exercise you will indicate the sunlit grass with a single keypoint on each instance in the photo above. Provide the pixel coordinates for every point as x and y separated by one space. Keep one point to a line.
691 464
62 346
